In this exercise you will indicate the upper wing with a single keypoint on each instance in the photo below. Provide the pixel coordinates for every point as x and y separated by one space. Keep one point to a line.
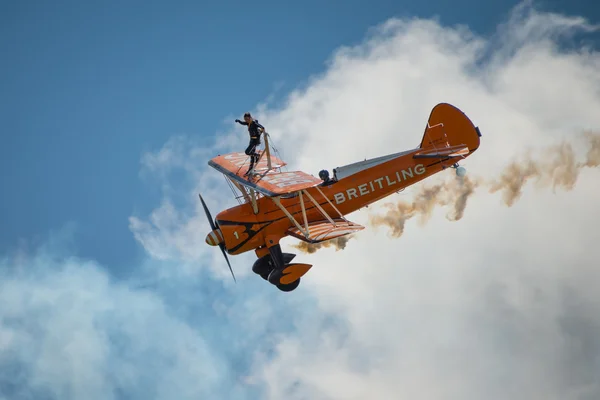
278 183
270 182
238 163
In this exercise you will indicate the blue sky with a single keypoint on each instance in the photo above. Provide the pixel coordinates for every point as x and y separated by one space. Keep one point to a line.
88 90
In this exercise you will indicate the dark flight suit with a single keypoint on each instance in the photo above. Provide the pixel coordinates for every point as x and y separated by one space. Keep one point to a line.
254 140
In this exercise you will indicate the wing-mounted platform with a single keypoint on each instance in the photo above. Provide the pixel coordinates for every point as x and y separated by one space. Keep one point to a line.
265 179
237 164
269 181
320 231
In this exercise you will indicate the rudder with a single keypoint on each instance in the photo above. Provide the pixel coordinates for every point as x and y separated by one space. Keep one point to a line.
448 127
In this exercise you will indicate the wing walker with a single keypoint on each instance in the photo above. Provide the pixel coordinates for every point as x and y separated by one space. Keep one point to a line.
274 204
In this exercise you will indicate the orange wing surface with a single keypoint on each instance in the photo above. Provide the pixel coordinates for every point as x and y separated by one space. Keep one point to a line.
270 182
320 231
238 163
278 183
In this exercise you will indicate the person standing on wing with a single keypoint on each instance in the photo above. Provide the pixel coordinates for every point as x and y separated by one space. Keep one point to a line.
255 130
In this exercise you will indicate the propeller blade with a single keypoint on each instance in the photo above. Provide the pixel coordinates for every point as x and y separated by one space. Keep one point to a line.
210 220
213 227
222 246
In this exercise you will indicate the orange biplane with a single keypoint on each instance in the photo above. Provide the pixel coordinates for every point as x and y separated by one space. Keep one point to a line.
275 203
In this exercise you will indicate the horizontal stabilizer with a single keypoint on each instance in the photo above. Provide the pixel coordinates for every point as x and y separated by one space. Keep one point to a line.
320 231
443 152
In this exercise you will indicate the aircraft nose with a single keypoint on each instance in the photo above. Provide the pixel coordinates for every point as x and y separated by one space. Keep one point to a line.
214 238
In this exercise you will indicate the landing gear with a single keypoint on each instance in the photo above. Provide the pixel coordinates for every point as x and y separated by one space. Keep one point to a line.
288 287
275 268
264 265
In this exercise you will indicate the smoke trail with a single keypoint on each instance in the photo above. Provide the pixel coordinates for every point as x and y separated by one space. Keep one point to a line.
463 188
453 192
339 244
512 180
557 168
593 154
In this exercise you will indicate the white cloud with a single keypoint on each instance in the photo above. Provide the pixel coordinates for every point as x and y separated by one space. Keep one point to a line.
67 331
501 304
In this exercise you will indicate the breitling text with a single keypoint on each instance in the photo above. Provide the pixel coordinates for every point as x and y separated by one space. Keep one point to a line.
379 183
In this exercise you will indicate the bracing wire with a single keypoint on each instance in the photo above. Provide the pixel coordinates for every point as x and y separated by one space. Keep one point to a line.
235 194
275 150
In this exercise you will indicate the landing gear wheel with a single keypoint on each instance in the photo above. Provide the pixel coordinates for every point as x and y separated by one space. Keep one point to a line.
289 287
274 278
276 268
264 265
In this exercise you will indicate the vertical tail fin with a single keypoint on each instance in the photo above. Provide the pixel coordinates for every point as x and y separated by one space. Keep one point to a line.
449 130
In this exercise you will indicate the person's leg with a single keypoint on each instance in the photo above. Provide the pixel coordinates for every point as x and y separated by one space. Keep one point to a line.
251 151
256 153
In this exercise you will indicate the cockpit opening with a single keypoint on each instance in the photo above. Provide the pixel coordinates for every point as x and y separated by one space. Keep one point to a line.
324 176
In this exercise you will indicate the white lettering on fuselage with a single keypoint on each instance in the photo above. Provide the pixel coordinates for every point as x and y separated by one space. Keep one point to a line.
378 184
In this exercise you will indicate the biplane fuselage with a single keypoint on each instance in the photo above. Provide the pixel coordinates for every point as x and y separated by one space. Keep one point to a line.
244 231
279 204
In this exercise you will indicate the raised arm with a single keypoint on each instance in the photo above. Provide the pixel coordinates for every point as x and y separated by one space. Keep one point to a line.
241 122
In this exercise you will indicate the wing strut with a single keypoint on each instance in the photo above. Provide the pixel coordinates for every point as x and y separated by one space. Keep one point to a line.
306 231
319 208
331 204
253 200
249 198
303 211
240 188
277 201
268 151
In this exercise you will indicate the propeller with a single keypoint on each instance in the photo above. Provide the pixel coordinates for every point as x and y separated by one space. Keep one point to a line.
213 226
